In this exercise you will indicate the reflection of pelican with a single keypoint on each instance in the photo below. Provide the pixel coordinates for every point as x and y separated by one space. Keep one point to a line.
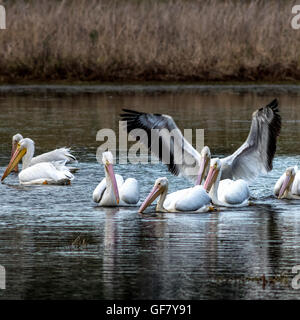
40 173
254 157
288 186
109 249
227 193
112 190
190 199
61 154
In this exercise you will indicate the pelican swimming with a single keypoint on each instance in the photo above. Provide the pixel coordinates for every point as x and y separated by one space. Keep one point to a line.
112 191
40 173
190 199
254 157
61 154
226 193
288 185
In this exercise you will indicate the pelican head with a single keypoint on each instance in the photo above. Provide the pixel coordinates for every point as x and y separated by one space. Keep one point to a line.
215 167
108 160
204 164
15 140
24 146
287 182
160 186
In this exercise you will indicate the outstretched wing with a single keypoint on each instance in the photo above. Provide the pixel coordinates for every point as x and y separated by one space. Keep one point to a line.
173 150
256 154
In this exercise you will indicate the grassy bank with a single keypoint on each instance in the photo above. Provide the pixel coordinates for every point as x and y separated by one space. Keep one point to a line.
131 40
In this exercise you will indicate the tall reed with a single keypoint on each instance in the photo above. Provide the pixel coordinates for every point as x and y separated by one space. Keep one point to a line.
109 40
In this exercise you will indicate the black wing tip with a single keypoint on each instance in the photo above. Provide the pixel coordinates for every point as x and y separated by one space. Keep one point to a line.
173 168
132 111
275 121
135 113
274 131
270 115
135 120
273 105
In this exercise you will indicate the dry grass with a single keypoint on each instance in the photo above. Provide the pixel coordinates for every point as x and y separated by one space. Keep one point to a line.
112 40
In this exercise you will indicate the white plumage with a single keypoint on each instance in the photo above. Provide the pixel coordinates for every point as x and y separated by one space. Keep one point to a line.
41 173
113 191
45 173
190 199
227 193
288 185
61 154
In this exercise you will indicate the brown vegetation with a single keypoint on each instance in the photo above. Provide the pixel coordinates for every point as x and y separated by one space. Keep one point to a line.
112 40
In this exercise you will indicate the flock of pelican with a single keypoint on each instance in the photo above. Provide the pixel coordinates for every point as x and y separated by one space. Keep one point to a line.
219 182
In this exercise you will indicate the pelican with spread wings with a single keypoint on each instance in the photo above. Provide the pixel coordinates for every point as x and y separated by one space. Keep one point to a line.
252 158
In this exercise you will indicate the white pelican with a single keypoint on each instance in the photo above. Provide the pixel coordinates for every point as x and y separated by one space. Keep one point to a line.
112 191
254 157
190 199
288 186
61 154
40 173
226 193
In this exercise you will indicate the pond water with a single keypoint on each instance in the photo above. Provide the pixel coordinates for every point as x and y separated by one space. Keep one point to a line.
57 244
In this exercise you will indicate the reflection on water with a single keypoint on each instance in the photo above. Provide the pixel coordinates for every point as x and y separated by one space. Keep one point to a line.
57 244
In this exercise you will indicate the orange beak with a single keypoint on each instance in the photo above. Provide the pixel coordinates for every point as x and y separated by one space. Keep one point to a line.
13 149
211 178
15 159
284 186
203 165
155 192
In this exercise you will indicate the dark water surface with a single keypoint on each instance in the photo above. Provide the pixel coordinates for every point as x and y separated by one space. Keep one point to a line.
55 243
